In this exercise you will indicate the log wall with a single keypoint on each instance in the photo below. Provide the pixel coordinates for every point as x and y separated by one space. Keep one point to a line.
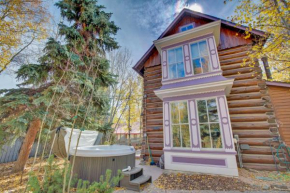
280 97
251 111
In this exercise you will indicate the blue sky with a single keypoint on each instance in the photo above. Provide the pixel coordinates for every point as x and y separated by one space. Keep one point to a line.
141 22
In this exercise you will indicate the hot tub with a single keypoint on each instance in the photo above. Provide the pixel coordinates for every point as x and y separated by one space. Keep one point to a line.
92 161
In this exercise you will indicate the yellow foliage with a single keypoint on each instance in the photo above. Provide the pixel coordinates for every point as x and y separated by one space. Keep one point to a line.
272 17
20 20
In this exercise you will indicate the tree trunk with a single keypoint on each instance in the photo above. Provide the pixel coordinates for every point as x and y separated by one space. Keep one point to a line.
27 145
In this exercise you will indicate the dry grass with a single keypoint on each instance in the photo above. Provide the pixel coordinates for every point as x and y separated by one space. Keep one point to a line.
16 182
247 181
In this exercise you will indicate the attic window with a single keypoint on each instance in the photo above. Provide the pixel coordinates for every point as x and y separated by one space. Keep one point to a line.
186 27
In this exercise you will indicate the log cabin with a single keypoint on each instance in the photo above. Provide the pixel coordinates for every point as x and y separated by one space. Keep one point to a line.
201 90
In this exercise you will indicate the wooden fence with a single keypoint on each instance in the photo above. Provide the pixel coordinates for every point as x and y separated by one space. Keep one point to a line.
10 153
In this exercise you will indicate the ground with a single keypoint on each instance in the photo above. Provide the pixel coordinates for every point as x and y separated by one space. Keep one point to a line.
16 182
172 181
248 181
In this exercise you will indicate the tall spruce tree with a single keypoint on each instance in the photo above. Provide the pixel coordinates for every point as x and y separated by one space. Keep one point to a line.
68 84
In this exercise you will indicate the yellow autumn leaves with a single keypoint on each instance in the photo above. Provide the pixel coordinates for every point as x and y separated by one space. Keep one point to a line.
21 21
272 17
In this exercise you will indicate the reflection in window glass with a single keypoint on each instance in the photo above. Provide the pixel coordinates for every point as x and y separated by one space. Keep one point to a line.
176 135
209 126
179 124
175 63
205 136
185 135
202 113
200 57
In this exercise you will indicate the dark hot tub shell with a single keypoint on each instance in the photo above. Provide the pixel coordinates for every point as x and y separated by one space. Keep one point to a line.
91 168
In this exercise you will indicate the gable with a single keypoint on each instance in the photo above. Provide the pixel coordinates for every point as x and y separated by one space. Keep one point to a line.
230 35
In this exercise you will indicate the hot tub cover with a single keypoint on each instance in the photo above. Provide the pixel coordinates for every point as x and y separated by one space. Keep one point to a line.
60 146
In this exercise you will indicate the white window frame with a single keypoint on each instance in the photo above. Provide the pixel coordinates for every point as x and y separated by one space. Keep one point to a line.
180 46
189 127
193 25
209 55
219 122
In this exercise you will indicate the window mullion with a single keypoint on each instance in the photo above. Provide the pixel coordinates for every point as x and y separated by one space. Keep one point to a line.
209 125
180 134
199 57
208 122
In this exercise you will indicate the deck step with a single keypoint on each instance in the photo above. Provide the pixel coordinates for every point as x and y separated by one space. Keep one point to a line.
134 178
135 170
141 180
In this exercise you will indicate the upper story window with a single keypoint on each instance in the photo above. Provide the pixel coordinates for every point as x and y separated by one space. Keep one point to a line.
186 27
175 63
189 59
179 124
209 126
200 57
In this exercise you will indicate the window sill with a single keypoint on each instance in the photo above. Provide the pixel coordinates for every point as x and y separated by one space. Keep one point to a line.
202 151
192 87
192 77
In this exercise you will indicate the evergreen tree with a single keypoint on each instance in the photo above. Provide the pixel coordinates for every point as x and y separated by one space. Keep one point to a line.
67 85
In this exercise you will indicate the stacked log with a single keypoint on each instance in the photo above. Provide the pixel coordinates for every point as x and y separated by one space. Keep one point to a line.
250 108
152 113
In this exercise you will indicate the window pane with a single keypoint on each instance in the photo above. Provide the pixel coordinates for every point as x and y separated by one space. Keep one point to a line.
194 51
203 48
176 136
183 29
189 27
180 70
205 136
202 112
185 136
183 112
205 62
174 113
171 56
197 66
216 135
179 55
172 71
212 110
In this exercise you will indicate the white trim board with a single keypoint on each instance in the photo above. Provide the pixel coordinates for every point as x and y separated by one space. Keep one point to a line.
210 28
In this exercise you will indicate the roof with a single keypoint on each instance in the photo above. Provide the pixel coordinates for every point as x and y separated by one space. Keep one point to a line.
135 129
139 65
277 83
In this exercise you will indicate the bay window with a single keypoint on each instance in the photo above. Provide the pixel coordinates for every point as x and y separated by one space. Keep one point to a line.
175 63
180 124
200 57
209 126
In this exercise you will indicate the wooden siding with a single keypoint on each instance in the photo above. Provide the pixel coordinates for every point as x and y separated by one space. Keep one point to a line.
153 60
249 103
229 37
185 21
280 97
